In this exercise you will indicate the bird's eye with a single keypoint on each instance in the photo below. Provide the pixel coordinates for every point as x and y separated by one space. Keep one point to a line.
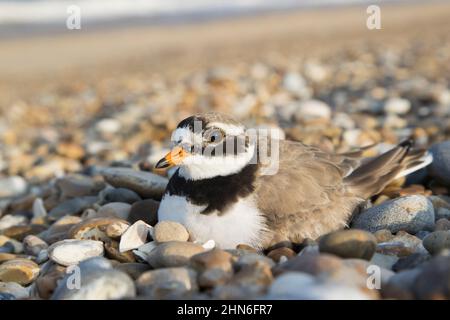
215 136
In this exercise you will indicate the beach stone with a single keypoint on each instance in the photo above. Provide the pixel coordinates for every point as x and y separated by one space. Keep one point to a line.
397 106
10 220
6 256
20 232
95 228
302 286
12 186
296 84
146 184
173 254
39 211
60 229
21 271
72 251
383 235
214 266
311 110
437 241
112 252
33 245
433 282
145 210
116 229
170 231
135 236
323 264
411 261
395 248
258 274
99 281
108 126
6 296
349 244
442 225
72 207
133 269
250 259
163 283
443 213
119 195
277 254
47 281
14 289
411 214
9 245
400 285
384 260
115 209
76 185
440 167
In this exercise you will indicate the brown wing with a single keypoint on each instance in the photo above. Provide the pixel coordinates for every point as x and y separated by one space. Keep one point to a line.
306 197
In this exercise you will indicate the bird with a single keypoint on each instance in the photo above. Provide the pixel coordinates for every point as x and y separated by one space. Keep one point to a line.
228 195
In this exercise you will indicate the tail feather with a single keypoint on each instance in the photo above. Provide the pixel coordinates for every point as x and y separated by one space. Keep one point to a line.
373 176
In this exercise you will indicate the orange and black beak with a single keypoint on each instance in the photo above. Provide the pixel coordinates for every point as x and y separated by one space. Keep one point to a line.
173 158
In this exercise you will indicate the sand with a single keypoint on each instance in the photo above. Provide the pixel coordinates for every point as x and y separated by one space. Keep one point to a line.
30 64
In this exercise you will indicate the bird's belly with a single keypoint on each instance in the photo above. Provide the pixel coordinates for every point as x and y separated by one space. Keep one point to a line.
242 223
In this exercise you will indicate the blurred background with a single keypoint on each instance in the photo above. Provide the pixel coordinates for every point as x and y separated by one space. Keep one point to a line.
111 92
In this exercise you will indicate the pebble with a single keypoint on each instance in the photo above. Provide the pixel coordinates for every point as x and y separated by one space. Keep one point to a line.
60 229
145 210
33 245
442 225
440 167
133 269
72 207
95 228
397 106
162 283
116 229
115 209
146 184
302 286
411 214
437 241
411 261
14 289
400 285
170 231
311 110
48 279
135 236
98 282
119 195
278 254
12 186
72 251
173 254
39 211
112 252
6 296
21 271
433 282
349 244
72 186
443 213
9 221
214 267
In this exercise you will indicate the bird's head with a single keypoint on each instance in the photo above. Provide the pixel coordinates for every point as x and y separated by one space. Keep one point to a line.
209 145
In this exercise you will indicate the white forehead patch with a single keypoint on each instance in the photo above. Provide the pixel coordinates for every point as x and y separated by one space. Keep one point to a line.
184 135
